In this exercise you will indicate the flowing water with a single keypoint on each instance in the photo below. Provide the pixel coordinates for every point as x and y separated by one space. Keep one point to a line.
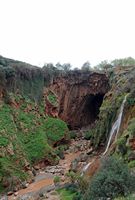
116 126
113 133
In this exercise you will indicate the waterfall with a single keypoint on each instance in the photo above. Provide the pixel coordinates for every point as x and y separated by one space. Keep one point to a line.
86 167
116 126
114 130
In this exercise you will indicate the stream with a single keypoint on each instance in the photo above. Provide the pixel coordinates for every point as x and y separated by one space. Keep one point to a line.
43 182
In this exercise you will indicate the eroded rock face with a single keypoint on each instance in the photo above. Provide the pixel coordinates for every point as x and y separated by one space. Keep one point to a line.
79 96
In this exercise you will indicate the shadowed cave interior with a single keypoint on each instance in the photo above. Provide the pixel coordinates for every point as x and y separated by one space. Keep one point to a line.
89 111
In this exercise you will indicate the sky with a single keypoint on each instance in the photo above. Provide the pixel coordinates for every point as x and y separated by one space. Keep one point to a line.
75 31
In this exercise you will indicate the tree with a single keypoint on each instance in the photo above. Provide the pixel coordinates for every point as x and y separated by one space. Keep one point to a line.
50 72
103 65
129 61
58 66
111 181
65 67
86 66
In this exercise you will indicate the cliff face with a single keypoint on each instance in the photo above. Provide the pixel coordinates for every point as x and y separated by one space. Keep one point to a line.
122 83
19 77
79 96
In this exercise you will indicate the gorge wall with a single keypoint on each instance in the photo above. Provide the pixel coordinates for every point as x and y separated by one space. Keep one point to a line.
78 97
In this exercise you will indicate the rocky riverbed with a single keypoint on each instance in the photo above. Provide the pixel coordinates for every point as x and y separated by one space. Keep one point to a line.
75 158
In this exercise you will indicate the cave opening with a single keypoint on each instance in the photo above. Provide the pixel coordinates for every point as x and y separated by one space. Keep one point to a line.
90 109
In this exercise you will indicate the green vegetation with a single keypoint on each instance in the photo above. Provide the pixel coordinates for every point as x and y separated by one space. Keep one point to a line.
108 113
56 179
131 164
89 134
131 127
131 101
3 141
66 194
60 150
72 176
129 61
52 99
113 180
86 67
131 197
55 130
27 136
73 134
124 62
121 142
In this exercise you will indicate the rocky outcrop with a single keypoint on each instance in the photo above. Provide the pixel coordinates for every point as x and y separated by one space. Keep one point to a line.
79 95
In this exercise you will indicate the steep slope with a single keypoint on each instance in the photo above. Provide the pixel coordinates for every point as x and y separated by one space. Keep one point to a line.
16 76
27 135
122 83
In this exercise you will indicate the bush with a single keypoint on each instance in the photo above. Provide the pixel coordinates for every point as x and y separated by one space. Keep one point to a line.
131 127
72 176
113 180
56 179
66 194
131 164
73 134
52 99
88 134
121 142
3 141
55 129
60 152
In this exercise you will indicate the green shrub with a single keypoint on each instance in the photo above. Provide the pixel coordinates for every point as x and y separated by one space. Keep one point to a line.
66 194
131 127
131 164
73 134
52 99
131 101
9 71
113 180
72 176
60 152
121 142
56 179
88 134
3 141
55 129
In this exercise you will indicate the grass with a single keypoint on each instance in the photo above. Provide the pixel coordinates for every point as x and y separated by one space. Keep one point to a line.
52 99
27 136
55 129
66 194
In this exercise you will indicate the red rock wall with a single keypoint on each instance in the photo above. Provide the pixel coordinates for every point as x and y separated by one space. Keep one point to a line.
80 95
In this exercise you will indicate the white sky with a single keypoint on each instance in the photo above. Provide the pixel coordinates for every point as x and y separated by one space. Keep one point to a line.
75 31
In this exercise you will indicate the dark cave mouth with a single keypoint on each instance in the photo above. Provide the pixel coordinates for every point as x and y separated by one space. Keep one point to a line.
90 109
87 112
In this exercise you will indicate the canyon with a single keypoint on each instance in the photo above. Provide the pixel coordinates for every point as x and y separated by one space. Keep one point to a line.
56 122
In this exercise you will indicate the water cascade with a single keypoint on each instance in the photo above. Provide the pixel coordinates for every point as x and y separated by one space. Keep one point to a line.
116 126
85 168
113 133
